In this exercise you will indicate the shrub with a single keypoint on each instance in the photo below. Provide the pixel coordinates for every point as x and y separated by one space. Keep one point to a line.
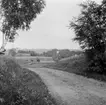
32 53
97 64
20 86
89 54
37 59
96 61
12 52
12 90
56 58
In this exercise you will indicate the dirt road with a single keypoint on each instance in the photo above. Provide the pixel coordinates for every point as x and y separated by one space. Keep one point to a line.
71 89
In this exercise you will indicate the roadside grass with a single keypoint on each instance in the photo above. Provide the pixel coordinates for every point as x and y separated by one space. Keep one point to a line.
20 86
77 65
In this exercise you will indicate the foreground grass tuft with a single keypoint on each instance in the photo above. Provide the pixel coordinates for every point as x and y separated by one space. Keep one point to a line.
20 86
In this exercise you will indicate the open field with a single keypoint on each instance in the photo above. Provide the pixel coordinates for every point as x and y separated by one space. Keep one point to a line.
31 58
32 61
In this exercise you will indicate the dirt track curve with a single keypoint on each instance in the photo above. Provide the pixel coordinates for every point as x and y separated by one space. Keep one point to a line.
71 89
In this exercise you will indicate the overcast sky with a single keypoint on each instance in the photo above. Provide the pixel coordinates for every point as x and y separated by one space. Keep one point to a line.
49 30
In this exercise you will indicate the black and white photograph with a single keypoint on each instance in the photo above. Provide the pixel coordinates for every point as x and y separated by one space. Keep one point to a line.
52 52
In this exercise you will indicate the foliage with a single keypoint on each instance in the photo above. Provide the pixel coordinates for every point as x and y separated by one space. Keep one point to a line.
12 52
20 86
64 53
10 85
50 53
87 26
67 53
90 30
97 64
24 51
18 14
37 59
89 53
33 53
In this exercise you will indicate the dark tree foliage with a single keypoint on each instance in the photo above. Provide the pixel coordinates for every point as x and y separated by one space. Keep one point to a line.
87 26
33 53
90 30
18 14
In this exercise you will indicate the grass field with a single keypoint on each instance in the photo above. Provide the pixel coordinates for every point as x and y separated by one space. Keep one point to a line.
42 58
22 86
32 61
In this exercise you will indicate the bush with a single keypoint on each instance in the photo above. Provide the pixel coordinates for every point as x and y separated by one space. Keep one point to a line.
32 53
56 58
20 86
89 54
96 61
12 90
12 52
97 64
37 59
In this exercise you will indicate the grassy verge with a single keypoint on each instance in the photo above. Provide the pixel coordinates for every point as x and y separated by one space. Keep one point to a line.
20 86
78 66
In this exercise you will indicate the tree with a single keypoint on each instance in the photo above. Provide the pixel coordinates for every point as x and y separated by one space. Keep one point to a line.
33 53
18 14
90 29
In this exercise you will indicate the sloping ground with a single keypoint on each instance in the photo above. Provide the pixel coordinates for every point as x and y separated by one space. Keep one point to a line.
71 89
20 86
76 65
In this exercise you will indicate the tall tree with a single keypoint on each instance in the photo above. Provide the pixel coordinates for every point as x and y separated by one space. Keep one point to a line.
90 28
18 14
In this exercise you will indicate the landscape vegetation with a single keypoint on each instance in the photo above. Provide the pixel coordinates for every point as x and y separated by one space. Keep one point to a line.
21 86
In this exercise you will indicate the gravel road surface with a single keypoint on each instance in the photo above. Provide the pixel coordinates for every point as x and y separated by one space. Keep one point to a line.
72 89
